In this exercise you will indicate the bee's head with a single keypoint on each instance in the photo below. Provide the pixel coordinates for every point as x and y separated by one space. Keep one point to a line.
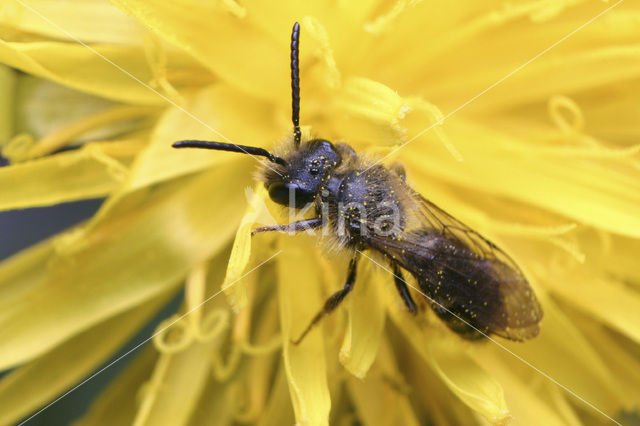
296 183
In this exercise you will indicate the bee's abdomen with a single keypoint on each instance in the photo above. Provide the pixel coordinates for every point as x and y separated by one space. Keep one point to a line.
474 295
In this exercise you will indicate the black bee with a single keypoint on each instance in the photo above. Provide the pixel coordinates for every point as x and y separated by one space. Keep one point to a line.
471 284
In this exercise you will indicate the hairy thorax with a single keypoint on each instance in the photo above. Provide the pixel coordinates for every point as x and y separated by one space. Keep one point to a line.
362 202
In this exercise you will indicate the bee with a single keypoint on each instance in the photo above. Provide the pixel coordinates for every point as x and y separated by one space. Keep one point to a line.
471 284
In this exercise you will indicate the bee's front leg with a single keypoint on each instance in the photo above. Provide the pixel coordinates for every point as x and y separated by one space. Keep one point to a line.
301 225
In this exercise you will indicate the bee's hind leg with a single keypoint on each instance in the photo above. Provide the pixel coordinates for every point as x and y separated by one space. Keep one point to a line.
293 227
335 299
401 285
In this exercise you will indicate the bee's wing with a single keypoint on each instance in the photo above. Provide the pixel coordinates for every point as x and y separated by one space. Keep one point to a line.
472 284
432 216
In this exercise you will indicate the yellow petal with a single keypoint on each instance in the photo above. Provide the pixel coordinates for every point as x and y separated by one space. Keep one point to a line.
217 113
278 410
59 62
368 112
110 121
620 260
42 126
552 183
93 276
25 270
8 81
472 384
366 321
184 373
495 40
91 22
28 387
118 402
187 24
571 355
216 406
611 114
617 353
431 393
556 73
90 172
241 251
610 301
172 370
254 376
377 398
242 395
299 300
524 396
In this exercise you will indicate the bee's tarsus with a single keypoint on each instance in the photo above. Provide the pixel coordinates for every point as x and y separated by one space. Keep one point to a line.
298 226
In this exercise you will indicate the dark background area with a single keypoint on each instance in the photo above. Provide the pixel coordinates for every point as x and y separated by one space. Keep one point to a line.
22 228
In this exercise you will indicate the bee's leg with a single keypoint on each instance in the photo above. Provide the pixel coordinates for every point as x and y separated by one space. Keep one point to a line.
335 299
398 169
401 285
299 226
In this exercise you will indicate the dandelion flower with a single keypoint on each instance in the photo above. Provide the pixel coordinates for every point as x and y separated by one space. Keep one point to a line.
519 118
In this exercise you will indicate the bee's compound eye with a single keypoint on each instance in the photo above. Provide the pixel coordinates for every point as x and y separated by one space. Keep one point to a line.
288 194
279 192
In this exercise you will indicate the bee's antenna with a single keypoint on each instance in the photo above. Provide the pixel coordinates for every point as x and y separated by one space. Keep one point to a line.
251 150
295 83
